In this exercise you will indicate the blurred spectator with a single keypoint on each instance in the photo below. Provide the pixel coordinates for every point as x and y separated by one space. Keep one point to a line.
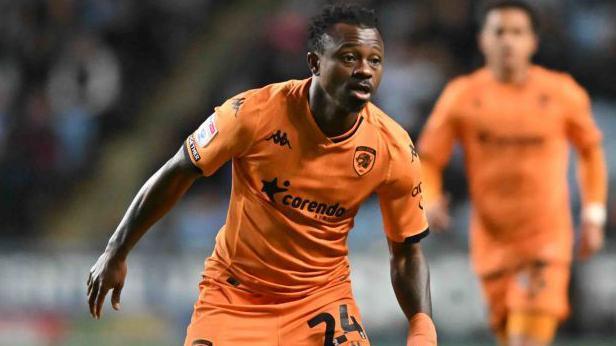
83 83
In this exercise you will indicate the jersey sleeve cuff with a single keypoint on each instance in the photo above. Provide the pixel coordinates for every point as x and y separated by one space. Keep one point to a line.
417 237
187 153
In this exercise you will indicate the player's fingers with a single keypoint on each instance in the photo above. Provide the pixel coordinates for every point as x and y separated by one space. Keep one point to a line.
100 299
583 253
89 285
92 297
586 246
115 297
595 243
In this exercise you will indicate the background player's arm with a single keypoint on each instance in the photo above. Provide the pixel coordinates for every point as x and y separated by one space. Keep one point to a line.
435 147
411 282
437 203
155 198
591 167
592 177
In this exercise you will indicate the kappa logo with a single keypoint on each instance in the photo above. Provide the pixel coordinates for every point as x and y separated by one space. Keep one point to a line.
236 103
202 342
279 138
320 209
414 153
363 160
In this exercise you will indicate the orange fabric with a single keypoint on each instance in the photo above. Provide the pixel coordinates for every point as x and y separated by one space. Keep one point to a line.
532 288
515 140
433 179
592 174
421 331
538 327
227 315
295 192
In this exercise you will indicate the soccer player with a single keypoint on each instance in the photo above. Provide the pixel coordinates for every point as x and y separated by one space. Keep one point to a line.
306 154
515 121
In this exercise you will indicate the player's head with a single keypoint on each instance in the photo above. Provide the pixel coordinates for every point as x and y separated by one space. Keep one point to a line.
345 54
508 37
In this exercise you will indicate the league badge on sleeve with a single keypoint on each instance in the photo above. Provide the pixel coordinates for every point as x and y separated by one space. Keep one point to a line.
363 160
207 131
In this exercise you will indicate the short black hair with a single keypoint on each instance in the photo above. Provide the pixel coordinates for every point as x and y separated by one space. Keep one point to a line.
530 11
353 14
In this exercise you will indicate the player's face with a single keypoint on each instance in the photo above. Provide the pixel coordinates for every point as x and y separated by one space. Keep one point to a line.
351 65
507 39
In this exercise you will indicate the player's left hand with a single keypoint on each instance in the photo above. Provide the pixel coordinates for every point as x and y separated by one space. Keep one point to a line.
108 273
591 240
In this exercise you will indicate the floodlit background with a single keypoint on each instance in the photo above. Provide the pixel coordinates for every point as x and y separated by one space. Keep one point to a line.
96 94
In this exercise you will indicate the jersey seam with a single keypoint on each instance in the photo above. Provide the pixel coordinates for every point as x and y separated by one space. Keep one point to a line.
253 134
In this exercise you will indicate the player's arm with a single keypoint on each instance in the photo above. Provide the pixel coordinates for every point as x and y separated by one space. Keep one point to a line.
229 132
435 147
405 224
410 278
592 178
591 168
155 198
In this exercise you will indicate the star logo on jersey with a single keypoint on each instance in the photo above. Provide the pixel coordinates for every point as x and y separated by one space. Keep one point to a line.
202 342
279 138
363 160
271 188
236 104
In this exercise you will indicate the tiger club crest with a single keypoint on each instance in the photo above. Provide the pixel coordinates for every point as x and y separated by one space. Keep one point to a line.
363 160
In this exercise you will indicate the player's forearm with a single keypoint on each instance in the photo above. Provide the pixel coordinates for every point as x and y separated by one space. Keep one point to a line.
432 177
155 198
592 176
410 279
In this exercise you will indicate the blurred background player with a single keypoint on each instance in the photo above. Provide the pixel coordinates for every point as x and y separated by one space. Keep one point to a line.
305 155
514 121
99 93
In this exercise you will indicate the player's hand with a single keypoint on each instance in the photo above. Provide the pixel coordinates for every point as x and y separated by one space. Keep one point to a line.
591 240
108 273
438 214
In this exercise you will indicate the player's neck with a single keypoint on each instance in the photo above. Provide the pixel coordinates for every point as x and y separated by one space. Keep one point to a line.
515 76
331 119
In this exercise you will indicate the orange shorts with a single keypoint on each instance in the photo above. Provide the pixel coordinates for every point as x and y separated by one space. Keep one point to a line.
536 287
226 314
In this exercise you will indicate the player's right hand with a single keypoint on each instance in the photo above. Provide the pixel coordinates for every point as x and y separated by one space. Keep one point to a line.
437 213
591 241
109 272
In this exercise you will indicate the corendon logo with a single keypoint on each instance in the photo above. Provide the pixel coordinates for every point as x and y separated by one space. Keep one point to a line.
271 189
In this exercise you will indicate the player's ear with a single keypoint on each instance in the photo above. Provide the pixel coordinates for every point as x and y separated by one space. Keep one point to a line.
313 63
481 42
535 44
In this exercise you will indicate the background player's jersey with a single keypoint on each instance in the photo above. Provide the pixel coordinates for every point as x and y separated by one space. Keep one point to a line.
515 140
295 191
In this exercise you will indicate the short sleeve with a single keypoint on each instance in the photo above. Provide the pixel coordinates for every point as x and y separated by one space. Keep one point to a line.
227 133
439 134
581 128
400 196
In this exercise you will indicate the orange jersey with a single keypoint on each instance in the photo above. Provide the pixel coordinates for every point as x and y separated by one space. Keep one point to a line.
295 191
515 140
